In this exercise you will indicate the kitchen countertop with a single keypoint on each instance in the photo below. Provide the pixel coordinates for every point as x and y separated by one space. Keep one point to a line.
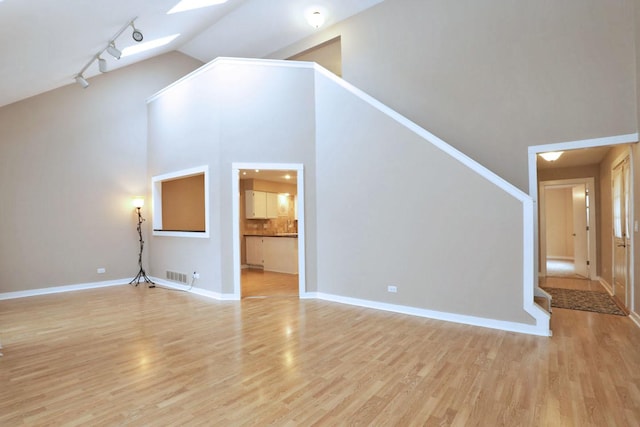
272 235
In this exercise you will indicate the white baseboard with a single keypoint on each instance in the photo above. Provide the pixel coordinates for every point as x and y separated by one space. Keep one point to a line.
439 315
605 284
635 317
195 290
431 314
59 289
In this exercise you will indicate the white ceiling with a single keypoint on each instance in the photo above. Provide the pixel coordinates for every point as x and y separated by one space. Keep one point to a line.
45 43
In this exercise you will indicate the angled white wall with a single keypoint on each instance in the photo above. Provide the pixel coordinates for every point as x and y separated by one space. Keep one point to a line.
385 203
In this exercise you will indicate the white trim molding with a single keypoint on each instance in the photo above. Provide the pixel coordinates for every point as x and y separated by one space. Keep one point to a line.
635 318
60 289
439 315
236 167
156 198
193 290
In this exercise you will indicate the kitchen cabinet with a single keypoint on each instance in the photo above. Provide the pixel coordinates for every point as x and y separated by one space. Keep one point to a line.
255 249
272 205
280 254
260 205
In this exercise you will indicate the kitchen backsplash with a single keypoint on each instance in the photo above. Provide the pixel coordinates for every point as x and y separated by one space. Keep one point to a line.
271 226
281 224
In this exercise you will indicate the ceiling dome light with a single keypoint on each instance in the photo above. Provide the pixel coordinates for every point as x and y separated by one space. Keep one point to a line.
315 19
551 156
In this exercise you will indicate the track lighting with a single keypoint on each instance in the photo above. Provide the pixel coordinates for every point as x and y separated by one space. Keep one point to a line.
82 81
113 50
136 35
102 65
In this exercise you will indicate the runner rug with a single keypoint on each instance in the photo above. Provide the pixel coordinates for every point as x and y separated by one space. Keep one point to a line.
573 299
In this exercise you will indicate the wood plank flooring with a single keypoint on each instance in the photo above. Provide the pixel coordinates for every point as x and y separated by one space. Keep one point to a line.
260 283
127 356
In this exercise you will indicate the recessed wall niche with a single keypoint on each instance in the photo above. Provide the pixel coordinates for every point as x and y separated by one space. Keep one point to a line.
181 203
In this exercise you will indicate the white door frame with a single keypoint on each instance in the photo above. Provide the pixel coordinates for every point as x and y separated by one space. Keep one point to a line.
589 184
561 146
235 190
629 291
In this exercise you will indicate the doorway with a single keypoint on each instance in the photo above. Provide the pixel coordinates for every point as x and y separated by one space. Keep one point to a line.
568 228
268 229
621 182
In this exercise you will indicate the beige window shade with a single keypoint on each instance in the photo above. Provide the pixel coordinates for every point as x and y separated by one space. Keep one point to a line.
183 204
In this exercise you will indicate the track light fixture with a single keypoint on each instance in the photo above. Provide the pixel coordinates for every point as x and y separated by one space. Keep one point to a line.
102 65
82 81
113 50
109 48
136 35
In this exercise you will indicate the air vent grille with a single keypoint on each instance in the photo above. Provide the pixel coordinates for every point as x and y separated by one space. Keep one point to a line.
174 276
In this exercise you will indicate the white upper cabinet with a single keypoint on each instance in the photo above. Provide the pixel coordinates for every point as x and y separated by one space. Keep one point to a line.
272 205
260 205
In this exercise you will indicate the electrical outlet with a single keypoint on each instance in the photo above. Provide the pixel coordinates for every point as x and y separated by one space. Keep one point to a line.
392 289
102 270
195 275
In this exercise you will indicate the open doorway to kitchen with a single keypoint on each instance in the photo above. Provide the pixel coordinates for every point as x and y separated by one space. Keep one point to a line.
268 222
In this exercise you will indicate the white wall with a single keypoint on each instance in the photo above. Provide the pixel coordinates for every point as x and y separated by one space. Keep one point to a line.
70 161
559 222
493 77
229 114
382 205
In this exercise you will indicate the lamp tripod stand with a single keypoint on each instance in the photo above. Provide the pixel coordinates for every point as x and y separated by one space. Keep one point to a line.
141 273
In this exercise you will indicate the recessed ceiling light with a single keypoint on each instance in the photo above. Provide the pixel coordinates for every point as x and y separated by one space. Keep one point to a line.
132 50
185 5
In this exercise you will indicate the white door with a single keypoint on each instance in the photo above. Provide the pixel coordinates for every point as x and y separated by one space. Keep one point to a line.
621 234
580 229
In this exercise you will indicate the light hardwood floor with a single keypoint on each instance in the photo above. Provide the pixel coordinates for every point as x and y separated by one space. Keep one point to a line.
131 356
260 283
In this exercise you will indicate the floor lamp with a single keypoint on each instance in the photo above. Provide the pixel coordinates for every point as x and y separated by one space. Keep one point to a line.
138 203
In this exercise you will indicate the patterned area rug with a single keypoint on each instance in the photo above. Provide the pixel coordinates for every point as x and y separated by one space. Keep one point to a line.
599 302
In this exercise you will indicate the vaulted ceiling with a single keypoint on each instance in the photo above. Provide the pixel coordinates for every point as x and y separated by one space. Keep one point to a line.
44 44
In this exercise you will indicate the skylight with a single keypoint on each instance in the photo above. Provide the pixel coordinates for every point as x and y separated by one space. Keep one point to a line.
142 47
185 5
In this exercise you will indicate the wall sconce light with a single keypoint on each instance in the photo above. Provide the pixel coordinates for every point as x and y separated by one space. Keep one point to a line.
138 203
551 156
